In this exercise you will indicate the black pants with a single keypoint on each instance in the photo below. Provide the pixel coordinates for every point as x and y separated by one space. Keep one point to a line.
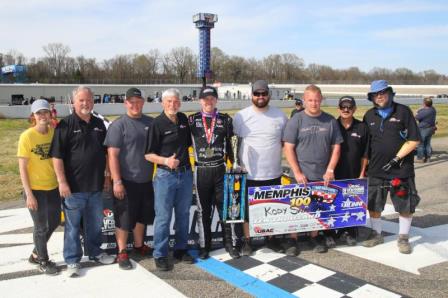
46 219
209 183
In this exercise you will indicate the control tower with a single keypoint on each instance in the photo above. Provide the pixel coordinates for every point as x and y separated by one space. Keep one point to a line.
204 22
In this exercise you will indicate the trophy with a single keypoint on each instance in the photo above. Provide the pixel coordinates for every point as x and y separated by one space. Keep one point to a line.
234 188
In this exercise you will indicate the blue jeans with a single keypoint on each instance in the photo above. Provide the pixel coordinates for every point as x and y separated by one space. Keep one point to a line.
171 190
89 207
424 148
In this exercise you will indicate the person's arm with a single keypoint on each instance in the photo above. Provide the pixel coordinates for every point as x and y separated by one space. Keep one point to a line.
291 157
171 162
335 154
114 167
64 188
31 202
364 163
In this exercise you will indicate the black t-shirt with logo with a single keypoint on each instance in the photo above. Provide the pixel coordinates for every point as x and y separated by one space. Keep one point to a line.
353 149
166 138
220 140
387 137
80 145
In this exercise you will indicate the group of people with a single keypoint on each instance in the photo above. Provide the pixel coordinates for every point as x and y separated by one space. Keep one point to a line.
79 159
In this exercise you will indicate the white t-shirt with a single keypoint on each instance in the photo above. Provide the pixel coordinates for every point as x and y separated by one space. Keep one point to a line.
260 151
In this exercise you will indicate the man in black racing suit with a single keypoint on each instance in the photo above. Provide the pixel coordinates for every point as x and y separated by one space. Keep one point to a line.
211 132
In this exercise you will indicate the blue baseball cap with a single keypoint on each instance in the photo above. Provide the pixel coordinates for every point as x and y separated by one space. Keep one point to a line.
377 86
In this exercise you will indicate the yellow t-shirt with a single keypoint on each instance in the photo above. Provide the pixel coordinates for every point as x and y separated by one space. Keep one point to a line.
35 146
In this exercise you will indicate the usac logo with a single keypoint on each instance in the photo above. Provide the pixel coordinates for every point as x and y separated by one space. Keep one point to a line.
260 230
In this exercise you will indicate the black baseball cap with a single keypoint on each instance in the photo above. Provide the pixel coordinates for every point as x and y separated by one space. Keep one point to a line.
348 99
260 85
133 92
299 101
208 90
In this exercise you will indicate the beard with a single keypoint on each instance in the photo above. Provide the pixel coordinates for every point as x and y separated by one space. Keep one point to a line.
260 103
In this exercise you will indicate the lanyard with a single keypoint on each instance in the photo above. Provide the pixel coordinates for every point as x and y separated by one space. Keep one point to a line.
209 130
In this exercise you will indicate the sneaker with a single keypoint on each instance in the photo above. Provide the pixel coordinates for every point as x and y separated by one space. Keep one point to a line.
403 244
123 260
233 251
203 253
182 255
33 260
329 241
103 258
48 267
348 239
73 269
291 248
318 244
246 249
143 250
162 264
373 240
274 244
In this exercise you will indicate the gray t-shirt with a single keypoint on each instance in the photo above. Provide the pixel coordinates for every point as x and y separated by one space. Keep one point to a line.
313 137
129 135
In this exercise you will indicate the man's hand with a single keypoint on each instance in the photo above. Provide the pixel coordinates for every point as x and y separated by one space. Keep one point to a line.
300 178
31 202
328 176
64 190
395 162
171 162
119 191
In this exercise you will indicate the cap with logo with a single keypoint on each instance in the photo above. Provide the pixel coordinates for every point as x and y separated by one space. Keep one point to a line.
347 99
208 90
133 92
40 104
299 101
260 85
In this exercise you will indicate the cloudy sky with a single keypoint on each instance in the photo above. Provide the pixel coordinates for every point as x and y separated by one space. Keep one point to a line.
341 34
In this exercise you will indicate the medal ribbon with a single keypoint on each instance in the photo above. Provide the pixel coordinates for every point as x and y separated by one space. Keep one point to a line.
209 130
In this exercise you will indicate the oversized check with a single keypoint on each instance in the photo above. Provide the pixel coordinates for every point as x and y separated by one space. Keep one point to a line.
282 209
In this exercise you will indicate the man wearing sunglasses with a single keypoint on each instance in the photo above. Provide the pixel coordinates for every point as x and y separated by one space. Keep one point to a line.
354 150
394 135
260 128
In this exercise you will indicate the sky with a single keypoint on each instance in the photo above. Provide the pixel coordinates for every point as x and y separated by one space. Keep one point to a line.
340 34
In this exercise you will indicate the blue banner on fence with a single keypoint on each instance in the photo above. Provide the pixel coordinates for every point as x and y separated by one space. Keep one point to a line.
282 209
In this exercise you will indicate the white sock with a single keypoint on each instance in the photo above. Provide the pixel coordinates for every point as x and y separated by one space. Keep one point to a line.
376 224
405 224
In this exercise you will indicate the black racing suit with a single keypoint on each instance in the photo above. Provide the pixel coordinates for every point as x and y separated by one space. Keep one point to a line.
209 171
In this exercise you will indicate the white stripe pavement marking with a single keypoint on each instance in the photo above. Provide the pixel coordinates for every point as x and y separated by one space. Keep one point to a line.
98 281
430 246
102 281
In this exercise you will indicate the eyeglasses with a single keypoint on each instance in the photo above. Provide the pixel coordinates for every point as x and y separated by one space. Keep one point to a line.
264 93
348 108
382 92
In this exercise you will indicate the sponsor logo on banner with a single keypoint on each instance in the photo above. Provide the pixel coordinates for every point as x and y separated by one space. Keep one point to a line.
281 209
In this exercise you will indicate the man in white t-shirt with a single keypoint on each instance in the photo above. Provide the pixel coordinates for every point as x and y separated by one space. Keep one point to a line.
260 129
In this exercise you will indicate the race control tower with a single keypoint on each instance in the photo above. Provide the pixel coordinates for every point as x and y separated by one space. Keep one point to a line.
204 22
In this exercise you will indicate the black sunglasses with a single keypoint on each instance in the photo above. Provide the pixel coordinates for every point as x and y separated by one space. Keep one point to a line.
264 93
348 108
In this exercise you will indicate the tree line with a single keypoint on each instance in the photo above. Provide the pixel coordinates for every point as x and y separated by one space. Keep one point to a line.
179 66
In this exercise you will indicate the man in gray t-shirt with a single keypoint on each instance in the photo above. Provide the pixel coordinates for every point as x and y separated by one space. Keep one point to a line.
312 146
131 175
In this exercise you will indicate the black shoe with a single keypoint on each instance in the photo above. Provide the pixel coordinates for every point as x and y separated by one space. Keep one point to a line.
349 239
48 267
203 253
233 251
246 249
274 244
291 248
329 241
318 244
33 260
182 255
163 264
123 260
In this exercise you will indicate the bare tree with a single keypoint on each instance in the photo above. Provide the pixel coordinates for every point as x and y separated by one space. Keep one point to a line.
56 56
181 62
